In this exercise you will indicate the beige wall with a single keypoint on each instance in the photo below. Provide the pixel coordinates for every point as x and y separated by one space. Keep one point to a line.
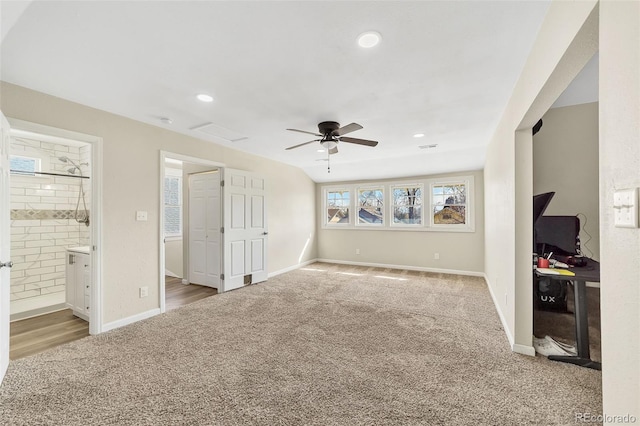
459 251
619 168
565 160
130 250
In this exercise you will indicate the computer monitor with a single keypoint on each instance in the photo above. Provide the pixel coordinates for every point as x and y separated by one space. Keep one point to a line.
558 234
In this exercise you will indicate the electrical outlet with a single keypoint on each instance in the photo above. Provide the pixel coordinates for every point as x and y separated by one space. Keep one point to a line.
357 251
141 215
144 291
436 256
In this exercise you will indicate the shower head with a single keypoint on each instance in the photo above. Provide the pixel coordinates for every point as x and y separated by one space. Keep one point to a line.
64 159
72 170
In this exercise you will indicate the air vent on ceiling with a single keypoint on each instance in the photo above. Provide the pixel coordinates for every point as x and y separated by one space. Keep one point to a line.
430 146
219 132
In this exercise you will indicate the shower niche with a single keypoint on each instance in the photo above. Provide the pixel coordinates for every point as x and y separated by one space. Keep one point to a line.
50 215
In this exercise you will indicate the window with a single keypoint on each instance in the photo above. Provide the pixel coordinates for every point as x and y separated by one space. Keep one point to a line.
370 206
337 207
407 204
440 204
19 164
450 204
173 203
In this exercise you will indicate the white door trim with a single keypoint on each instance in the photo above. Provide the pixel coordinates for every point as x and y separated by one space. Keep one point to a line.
56 135
188 159
5 246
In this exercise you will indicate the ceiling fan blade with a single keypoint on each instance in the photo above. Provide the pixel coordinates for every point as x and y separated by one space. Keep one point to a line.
304 131
333 150
347 129
359 141
302 144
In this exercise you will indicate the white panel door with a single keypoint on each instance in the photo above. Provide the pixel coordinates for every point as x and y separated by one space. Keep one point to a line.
5 255
245 229
204 229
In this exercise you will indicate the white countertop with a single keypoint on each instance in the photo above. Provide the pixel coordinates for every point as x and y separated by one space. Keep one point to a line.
82 249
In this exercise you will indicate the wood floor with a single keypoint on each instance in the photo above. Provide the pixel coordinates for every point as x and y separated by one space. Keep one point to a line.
33 335
178 294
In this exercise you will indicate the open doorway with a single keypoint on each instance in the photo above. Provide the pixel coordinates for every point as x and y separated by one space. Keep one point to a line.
224 234
54 231
191 230
566 162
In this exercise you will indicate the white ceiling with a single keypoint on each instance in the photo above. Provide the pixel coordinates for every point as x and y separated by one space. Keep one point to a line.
445 69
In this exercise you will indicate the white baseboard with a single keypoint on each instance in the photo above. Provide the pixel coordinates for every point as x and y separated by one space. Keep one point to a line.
37 312
503 320
408 267
291 268
515 347
524 350
130 320
171 274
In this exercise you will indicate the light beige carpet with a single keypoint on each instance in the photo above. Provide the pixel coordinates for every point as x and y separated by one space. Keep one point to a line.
324 345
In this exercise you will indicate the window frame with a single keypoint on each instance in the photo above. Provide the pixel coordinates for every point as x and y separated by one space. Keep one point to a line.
469 225
426 184
325 220
169 173
392 205
357 191
36 169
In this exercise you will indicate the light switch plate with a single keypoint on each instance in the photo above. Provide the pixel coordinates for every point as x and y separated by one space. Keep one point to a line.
141 215
625 205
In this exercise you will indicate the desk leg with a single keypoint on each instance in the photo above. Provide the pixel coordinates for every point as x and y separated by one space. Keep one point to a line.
583 358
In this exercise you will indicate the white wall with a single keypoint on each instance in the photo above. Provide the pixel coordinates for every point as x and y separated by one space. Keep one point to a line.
619 168
459 251
131 175
565 160
568 38
566 41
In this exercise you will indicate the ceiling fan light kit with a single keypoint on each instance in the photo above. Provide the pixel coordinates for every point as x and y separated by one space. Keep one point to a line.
331 134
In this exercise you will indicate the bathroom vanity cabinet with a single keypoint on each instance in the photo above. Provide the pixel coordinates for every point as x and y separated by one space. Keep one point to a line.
78 284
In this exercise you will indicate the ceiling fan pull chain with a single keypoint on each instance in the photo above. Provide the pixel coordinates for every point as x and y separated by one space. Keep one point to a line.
328 161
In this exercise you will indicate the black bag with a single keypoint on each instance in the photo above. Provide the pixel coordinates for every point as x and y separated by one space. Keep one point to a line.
551 295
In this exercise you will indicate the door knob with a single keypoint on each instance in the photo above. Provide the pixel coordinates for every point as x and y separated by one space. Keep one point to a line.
8 264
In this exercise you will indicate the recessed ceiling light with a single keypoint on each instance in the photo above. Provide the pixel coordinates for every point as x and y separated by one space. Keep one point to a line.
418 135
166 120
205 98
369 39
320 150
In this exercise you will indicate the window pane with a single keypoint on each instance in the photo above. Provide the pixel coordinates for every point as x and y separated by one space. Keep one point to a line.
407 205
370 206
338 207
23 164
449 215
172 191
449 204
172 220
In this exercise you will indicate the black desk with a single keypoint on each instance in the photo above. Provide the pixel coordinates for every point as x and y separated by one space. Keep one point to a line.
590 272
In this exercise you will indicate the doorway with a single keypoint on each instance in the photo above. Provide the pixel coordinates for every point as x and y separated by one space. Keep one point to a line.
54 231
229 233
191 230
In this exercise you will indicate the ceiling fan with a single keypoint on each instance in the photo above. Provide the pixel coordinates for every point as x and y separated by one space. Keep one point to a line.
330 134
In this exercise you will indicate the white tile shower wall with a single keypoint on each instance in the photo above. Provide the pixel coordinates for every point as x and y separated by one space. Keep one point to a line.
42 226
